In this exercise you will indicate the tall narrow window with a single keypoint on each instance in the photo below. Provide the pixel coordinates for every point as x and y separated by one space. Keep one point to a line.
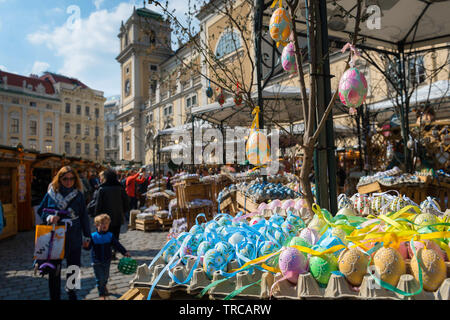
67 107
33 127
14 125
78 129
49 129
67 147
67 128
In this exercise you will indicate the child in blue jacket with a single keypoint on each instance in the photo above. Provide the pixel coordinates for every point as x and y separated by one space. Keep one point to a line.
101 244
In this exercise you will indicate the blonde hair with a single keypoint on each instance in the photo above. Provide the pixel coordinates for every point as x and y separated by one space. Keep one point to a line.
100 218
56 182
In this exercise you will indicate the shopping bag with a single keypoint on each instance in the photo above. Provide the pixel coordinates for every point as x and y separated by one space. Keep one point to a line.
49 242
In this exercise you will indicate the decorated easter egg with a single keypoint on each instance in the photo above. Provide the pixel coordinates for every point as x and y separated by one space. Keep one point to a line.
299 204
182 236
339 233
429 245
353 265
209 92
289 229
236 238
288 204
321 267
280 25
295 220
310 235
317 223
213 261
425 219
255 220
226 249
344 202
298 241
389 265
274 204
224 221
257 148
360 203
277 219
189 249
346 212
196 229
170 252
203 248
434 270
292 263
430 205
377 203
397 204
246 250
280 236
288 58
353 88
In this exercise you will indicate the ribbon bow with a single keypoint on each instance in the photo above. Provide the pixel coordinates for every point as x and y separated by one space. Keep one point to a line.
255 123
274 3
353 53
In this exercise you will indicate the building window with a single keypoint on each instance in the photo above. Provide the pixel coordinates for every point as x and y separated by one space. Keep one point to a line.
78 149
188 103
228 43
191 101
33 104
14 125
128 145
67 147
49 129
48 146
96 131
86 131
79 110
79 129
153 67
416 70
49 106
67 128
33 127
108 143
33 144
87 111
67 107
15 100
168 110
87 149
97 112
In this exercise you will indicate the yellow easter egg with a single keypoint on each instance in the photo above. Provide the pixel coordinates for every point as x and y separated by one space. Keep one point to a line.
353 265
425 219
317 223
339 233
389 265
434 270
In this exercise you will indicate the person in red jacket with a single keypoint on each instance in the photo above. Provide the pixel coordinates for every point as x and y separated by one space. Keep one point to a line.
131 181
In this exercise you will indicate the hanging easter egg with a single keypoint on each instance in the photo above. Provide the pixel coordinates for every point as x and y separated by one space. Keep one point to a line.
170 252
221 98
434 270
280 25
226 249
321 267
353 88
292 263
425 219
353 265
257 148
288 58
310 235
360 203
209 92
389 265
238 99
213 261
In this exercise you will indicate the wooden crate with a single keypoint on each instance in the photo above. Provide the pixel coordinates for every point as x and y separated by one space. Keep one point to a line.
10 214
245 203
146 225
164 223
229 205
133 217
191 214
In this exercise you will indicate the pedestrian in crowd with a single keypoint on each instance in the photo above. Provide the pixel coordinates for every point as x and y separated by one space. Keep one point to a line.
94 181
87 189
111 199
142 189
65 193
102 243
169 183
132 180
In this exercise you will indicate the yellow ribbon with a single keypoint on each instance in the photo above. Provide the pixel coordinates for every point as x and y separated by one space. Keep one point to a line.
274 3
255 123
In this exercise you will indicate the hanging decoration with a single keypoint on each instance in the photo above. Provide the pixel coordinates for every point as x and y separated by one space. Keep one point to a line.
209 90
238 96
280 24
257 148
288 58
221 97
353 84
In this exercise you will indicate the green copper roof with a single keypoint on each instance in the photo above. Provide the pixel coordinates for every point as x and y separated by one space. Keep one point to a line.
146 13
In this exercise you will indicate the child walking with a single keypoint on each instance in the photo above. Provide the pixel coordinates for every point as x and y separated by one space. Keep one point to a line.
101 245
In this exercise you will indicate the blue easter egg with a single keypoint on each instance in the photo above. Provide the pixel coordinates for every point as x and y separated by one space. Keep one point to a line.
213 261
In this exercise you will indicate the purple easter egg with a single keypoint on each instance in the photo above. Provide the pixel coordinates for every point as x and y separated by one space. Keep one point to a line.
292 263
310 235
288 58
353 88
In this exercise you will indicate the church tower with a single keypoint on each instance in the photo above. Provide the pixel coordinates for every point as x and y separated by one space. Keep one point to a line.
145 42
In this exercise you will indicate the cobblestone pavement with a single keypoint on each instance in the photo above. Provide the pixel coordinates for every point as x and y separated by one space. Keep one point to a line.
17 281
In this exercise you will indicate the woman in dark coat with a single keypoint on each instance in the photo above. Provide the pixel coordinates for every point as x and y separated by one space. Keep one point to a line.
111 199
65 193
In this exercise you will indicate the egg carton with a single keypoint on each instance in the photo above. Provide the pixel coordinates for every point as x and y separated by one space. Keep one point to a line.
165 287
338 287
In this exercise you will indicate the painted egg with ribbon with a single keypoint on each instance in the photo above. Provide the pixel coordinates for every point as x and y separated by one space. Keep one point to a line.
280 237
203 248
277 219
288 58
226 249
246 250
182 236
322 266
292 263
170 252
209 92
289 229
344 202
346 212
236 239
360 203
353 88
255 220
378 203
430 205
211 226
188 249
317 223
300 203
196 229
353 265
280 25
298 241
309 234
213 261
267 248
429 244
224 221
434 270
425 219
397 204
330 242
389 264
258 148
296 221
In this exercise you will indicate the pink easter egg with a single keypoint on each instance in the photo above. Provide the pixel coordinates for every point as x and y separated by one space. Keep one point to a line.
352 88
262 206
403 250
310 235
288 204
292 263
274 204
430 245
299 204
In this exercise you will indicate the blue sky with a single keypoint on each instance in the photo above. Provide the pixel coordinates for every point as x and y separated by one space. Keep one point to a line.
37 36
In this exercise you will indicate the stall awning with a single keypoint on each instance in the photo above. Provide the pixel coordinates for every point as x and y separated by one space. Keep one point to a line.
183 128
